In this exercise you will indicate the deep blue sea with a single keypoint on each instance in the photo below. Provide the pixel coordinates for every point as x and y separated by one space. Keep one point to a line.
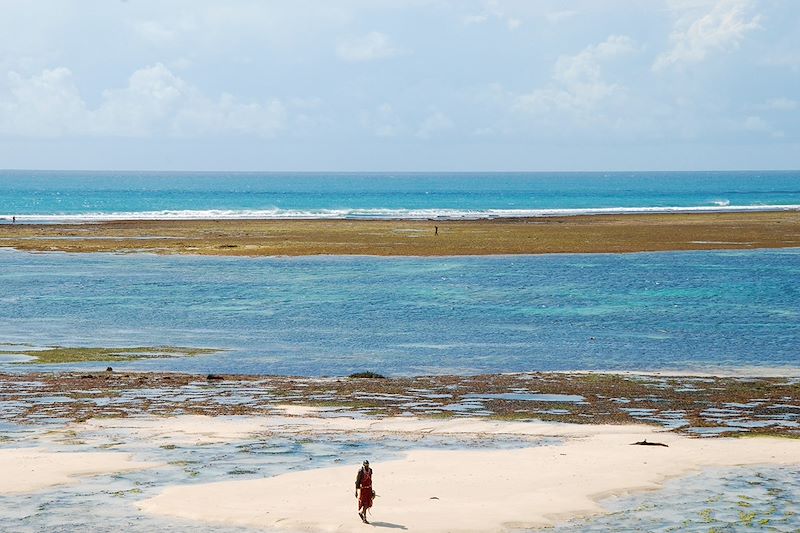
400 316
81 196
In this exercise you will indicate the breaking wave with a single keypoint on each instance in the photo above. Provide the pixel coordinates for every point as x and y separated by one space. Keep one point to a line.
381 214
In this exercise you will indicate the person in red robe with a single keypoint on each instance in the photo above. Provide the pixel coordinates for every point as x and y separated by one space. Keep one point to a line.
364 492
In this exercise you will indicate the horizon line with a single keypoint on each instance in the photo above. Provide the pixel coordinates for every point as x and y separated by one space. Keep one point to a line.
215 171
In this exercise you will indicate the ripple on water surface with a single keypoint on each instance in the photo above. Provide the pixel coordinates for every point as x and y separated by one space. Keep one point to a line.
714 500
401 316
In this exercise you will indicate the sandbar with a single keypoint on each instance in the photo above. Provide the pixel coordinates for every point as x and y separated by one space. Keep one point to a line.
470 490
32 469
622 233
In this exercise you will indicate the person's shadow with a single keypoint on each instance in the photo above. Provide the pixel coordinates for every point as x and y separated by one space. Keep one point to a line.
387 525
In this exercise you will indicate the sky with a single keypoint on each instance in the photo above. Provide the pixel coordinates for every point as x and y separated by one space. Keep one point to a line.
400 85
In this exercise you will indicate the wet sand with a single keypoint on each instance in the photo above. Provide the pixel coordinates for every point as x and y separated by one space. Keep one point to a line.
469 482
33 469
469 490
576 234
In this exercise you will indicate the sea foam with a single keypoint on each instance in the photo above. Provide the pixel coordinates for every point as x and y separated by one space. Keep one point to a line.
384 214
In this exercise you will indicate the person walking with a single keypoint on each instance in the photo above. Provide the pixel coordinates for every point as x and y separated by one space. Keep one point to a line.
364 492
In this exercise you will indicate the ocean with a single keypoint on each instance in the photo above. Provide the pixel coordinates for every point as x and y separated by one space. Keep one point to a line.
401 316
87 196
701 311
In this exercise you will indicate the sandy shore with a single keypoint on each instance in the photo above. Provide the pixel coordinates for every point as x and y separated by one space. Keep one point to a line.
577 234
465 474
461 490
32 469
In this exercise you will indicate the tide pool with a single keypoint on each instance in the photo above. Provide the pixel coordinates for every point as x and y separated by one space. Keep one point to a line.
402 316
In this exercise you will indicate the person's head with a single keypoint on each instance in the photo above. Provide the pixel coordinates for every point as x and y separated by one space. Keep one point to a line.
366 464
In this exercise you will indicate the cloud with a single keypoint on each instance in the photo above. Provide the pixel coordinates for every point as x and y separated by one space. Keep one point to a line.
369 47
757 124
435 123
382 122
493 10
556 17
722 28
46 105
469 20
155 102
783 60
154 32
577 82
154 95
779 104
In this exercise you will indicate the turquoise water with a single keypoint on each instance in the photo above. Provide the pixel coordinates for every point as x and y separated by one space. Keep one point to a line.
81 196
400 316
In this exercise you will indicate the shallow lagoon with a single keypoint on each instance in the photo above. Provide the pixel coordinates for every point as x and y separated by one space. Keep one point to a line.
400 316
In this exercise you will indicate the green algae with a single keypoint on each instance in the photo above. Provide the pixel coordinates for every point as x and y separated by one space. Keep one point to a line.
62 354
747 518
124 493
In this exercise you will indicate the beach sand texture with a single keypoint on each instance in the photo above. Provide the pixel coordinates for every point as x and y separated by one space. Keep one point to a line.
32 469
575 234
468 490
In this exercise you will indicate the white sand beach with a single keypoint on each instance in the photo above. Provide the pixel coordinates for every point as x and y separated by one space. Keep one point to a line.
32 469
461 490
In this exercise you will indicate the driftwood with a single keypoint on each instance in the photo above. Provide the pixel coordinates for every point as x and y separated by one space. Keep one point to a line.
645 443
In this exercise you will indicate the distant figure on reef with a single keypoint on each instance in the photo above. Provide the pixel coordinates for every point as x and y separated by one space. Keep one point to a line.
436 230
364 491
13 219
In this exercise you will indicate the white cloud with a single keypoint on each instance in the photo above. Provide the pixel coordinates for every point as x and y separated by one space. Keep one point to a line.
433 124
153 95
229 115
154 32
474 19
783 59
207 26
722 28
493 9
382 122
182 63
306 103
369 47
757 124
577 82
556 17
46 105
155 102
779 104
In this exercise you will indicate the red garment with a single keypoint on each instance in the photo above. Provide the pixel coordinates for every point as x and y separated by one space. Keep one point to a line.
365 496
